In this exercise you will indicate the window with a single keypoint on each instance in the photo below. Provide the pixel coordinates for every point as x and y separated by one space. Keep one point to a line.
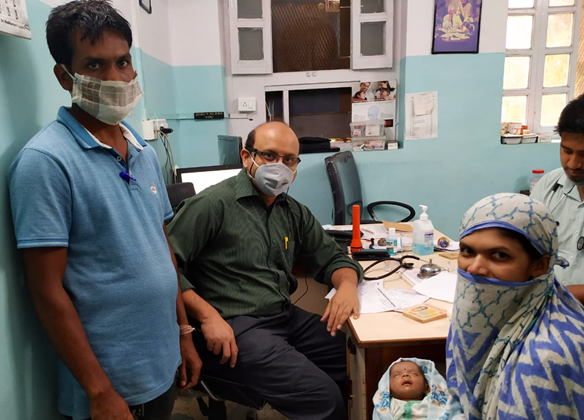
280 36
540 62
580 65
323 111
311 35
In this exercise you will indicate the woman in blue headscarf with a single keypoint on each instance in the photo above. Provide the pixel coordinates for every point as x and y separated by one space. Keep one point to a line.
516 344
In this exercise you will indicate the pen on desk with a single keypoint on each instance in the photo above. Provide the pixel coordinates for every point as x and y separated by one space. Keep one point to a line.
368 231
126 176
286 242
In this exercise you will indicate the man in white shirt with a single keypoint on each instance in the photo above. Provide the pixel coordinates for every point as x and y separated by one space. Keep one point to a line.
562 191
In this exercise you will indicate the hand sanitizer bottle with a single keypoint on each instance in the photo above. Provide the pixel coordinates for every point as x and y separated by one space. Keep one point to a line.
391 242
423 241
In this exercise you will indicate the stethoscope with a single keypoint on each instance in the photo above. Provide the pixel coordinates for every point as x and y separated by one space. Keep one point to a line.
402 264
580 243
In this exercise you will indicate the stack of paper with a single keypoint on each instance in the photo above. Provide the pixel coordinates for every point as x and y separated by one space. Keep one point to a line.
404 298
371 297
411 276
442 286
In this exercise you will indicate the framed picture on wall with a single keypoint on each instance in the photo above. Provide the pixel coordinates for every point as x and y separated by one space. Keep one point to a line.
457 25
146 5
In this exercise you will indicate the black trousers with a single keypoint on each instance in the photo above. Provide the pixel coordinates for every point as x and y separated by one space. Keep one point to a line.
159 408
290 359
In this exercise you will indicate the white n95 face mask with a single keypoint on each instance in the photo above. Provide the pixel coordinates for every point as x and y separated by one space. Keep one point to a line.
107 101
272 179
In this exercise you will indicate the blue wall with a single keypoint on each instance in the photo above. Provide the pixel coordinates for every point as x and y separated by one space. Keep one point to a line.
175 94
29 98
465 163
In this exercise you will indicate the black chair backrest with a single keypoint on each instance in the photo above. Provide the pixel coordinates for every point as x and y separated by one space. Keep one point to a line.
345 185
179 192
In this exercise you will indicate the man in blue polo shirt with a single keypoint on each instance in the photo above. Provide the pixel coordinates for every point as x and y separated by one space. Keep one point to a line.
89 206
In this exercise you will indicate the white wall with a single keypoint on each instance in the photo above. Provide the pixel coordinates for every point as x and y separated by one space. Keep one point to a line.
254 85
194 32
150 31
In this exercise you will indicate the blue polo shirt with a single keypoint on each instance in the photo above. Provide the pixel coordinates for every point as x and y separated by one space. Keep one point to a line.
66 191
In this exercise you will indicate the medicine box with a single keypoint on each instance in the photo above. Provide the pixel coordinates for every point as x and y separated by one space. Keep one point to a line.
369 128
368 143
424 313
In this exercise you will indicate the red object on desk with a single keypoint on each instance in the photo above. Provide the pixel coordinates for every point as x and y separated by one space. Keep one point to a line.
356 244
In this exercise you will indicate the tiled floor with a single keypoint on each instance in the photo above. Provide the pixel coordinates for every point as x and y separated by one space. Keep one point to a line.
186 407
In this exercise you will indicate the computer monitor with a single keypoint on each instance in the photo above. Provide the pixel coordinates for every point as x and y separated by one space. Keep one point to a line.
229 148
205 176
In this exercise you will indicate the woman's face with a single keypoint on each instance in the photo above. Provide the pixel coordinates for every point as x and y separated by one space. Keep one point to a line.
488 253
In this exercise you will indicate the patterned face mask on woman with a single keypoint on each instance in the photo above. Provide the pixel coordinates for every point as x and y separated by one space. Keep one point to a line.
107 101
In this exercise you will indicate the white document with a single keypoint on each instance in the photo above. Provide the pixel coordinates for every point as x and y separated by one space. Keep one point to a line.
411 276
442 286
374 230
371 298
14 18
402 298
339 228
421 115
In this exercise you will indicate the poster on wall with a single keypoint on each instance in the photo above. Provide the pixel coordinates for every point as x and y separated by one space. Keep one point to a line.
14 19
375 101
457 26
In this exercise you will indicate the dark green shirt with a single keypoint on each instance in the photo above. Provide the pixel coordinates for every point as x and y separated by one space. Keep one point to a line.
233 251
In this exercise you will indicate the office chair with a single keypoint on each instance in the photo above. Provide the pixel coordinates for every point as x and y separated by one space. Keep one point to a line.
346 187
179 192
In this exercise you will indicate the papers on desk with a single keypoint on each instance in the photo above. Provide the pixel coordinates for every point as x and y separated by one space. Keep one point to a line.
402 298
441 286
373 298
348 228
374 230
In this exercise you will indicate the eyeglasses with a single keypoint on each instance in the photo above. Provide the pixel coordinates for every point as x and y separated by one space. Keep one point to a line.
271 157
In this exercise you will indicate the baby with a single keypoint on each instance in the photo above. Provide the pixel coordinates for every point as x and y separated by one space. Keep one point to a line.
413 389
407 382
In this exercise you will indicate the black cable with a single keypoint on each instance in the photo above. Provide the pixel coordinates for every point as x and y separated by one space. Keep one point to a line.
306 291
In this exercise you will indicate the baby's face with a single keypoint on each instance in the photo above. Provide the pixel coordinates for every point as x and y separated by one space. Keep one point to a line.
406 382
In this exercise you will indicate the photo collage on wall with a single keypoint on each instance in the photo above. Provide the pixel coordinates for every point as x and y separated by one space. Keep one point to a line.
375 101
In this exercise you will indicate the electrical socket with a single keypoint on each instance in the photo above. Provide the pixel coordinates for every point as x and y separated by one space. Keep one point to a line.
151 128
246 104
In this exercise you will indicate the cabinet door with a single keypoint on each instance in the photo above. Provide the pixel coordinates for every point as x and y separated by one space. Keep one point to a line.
371 34
250 36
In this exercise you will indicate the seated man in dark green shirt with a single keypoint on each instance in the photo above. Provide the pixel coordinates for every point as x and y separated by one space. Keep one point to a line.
235 244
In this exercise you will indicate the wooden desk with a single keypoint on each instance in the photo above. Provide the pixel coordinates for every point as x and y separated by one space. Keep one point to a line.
376 340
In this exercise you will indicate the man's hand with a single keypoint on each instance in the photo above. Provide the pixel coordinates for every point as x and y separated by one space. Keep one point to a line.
220 338
340 307
190 361
109 406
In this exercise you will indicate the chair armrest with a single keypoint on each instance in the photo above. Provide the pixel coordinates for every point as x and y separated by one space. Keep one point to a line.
392 203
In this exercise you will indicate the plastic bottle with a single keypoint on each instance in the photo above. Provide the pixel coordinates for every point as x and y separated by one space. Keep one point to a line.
536 176
423 240
391 245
